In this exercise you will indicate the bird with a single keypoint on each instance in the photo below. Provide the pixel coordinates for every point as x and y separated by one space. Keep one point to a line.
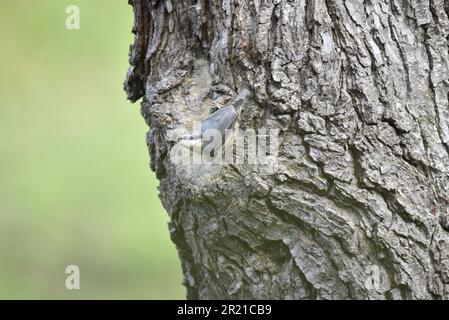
198 157
216 124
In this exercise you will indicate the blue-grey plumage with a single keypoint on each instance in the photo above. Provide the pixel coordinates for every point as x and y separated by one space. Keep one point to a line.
222 119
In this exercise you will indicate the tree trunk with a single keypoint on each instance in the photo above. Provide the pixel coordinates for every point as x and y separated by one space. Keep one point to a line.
357 207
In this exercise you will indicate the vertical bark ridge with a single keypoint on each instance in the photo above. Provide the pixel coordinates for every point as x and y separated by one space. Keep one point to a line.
359 92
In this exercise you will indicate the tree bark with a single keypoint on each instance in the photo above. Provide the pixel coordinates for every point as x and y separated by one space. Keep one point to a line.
358 205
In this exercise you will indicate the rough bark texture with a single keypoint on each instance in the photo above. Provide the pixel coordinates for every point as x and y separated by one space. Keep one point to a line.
359 92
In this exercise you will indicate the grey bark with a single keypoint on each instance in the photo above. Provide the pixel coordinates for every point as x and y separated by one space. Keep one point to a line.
358 206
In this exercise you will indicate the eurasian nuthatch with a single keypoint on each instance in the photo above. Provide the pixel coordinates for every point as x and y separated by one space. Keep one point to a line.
219 121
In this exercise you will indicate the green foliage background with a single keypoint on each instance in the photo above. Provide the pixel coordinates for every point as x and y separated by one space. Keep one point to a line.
75 187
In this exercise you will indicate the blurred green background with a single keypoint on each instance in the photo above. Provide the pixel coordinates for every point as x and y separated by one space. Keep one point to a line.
75 187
